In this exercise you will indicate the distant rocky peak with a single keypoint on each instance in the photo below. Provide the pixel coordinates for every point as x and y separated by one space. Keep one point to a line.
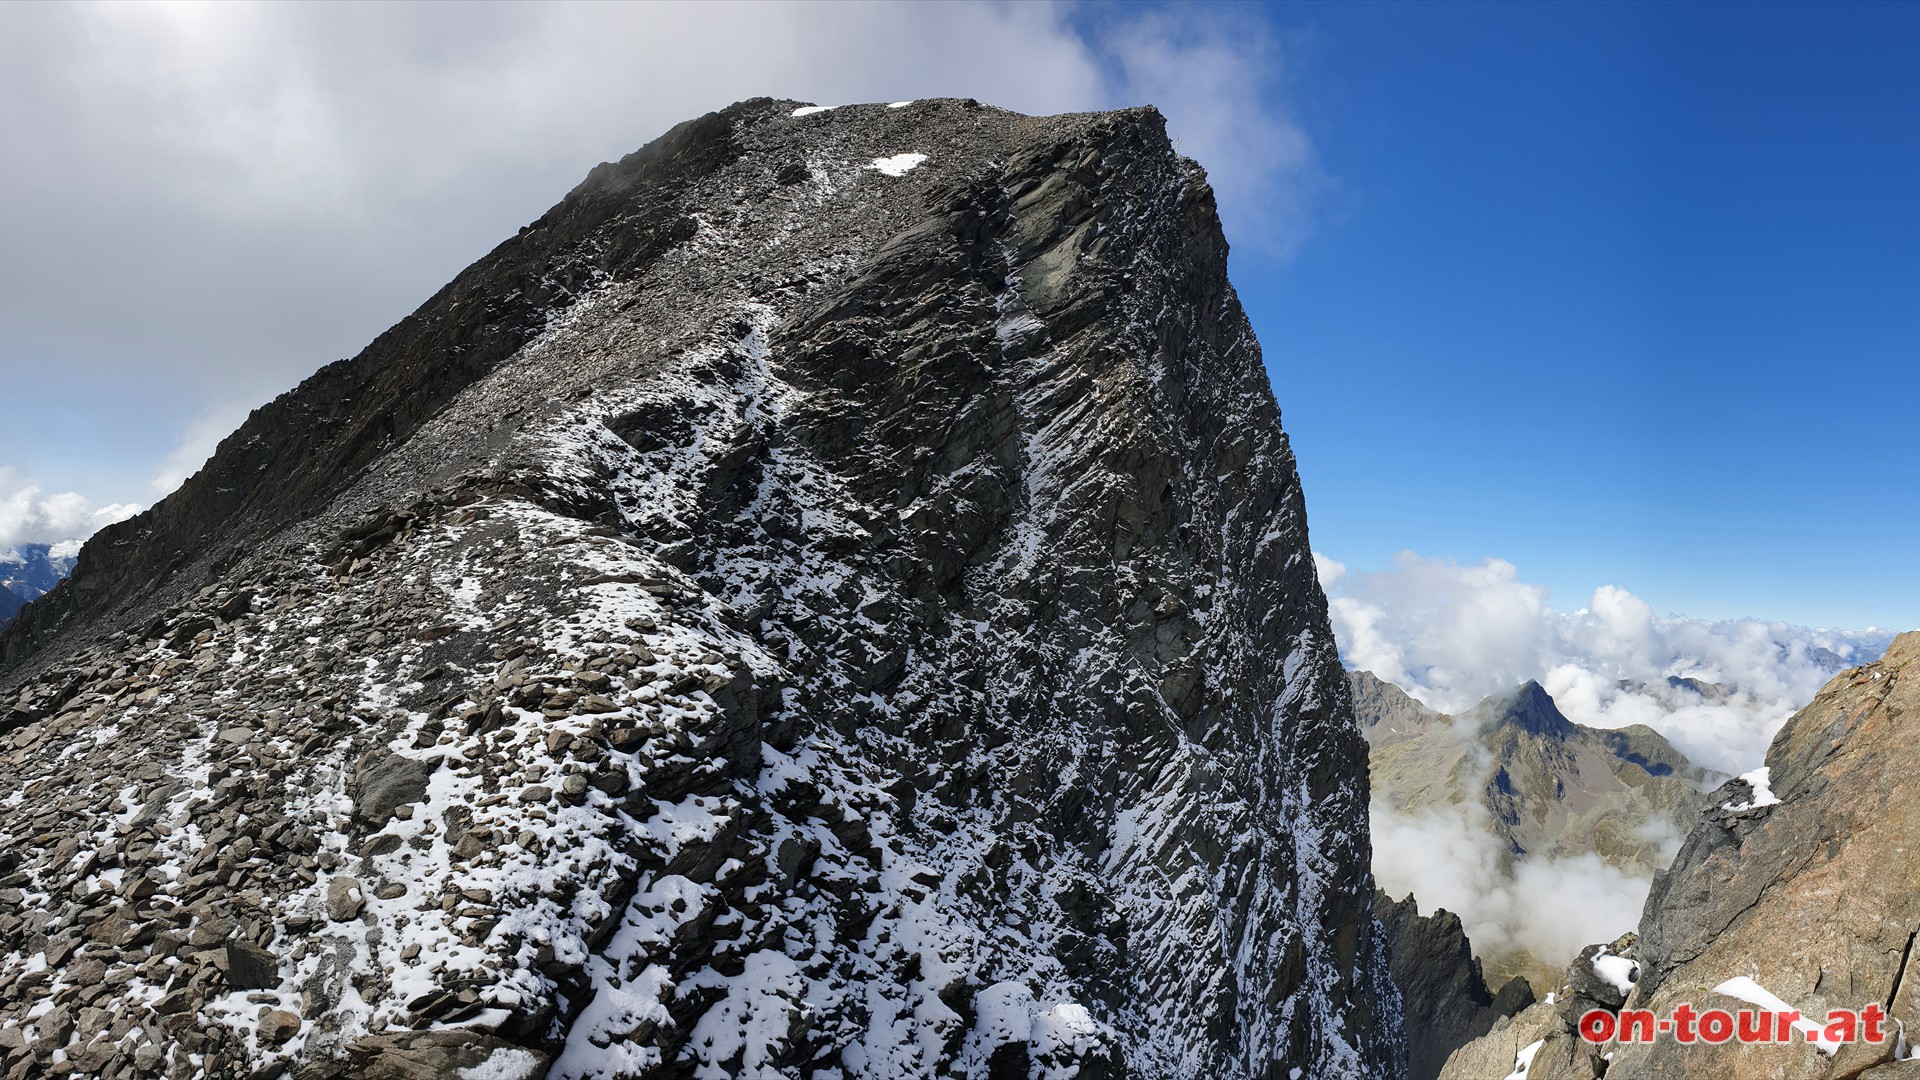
1377 702
1530 709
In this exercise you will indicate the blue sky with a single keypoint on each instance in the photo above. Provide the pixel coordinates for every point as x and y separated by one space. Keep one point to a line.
1621 294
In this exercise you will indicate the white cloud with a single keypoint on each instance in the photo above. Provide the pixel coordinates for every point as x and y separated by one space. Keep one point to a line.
1452 635
1330 571
1451 857
1551 908
1220 78
29 515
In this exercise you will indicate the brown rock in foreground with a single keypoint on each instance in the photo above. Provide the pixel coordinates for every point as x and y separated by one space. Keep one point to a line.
1801 879
1814 898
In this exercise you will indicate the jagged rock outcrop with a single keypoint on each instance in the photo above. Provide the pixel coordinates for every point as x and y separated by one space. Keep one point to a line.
1445 1002
1543 1042
830 598
1804 884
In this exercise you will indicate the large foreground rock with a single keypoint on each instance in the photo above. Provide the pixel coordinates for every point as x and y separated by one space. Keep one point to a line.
1816 897
830 598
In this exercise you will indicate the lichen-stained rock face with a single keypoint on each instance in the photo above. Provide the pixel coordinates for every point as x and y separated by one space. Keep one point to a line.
1802 884
863 627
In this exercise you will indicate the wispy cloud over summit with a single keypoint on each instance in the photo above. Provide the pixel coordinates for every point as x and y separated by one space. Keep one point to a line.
204 204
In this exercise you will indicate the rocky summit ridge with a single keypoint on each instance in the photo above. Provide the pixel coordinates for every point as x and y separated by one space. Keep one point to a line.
831 598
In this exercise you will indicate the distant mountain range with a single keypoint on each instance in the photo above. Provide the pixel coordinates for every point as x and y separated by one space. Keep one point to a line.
28 571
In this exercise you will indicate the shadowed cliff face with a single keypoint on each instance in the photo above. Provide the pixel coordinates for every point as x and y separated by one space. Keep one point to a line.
833 594
1445 1002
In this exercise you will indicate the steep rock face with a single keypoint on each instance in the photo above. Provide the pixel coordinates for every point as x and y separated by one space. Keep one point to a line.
831 598
1445 1002
1811 896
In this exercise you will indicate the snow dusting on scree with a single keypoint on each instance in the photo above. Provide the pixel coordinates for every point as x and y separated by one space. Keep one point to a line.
655 743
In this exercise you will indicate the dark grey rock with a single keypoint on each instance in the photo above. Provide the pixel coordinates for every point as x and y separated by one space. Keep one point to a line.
1445 1001
385 781
251 968
975 643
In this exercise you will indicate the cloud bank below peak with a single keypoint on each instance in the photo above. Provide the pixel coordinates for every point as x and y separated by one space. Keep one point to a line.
1453 634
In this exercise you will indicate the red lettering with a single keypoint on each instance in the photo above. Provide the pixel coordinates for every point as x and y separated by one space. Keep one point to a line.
1637 1025
1683 1015
1716 1026
1596 1025
1871 1018
1842 1026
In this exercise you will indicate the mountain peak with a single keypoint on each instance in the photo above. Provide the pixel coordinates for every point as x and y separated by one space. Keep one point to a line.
29 571
1528 708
